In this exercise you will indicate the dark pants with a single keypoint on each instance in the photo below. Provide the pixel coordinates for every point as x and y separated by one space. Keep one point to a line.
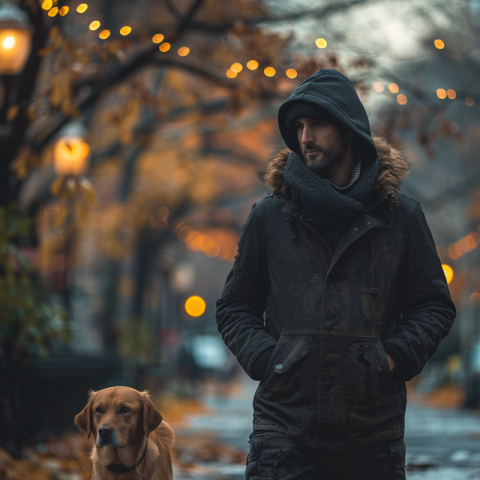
276 456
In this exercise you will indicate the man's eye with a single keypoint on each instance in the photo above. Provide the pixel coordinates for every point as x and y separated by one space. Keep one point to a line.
98 410
124 410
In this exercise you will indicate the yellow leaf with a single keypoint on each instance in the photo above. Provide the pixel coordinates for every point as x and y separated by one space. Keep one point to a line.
87 189
61 217
56 185
12 112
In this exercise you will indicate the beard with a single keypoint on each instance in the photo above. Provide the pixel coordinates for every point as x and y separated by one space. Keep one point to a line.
331 155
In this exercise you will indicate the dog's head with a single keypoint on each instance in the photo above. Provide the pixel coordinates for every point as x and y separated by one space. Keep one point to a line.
118 416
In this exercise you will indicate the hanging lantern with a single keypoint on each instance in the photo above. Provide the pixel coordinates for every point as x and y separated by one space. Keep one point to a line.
71 153
15 39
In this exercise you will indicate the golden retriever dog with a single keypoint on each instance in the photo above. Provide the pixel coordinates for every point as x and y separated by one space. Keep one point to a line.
131 440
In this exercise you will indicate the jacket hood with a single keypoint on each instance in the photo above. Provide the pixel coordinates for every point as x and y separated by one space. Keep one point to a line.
393 168
334 92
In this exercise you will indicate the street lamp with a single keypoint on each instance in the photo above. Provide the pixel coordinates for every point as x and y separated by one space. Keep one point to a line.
71 152
15 39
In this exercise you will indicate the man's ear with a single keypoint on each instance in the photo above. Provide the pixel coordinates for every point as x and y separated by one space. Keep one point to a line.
85 418
152 418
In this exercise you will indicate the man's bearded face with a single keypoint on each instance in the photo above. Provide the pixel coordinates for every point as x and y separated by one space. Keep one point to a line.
322 144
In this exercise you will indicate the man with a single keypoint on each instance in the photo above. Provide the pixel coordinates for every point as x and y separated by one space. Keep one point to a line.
336 296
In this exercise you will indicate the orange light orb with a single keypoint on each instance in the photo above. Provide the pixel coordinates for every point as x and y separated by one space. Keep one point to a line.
452 94
269 72
393 87
70 156
195 306
291 73
448 270
164 47
252 65
441 93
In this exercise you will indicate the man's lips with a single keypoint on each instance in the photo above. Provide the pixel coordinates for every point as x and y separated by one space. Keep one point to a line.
313 151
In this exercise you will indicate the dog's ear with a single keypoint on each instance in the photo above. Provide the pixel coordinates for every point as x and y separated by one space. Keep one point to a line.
85 418
152 418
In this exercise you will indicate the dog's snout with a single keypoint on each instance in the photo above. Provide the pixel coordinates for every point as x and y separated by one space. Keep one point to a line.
105 431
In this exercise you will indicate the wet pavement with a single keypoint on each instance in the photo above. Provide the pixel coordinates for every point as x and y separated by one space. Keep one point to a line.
441 444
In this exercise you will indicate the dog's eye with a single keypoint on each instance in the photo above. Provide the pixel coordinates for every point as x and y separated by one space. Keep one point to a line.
98 409
124 410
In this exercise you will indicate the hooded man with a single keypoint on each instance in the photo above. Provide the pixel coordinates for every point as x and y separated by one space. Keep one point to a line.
336 296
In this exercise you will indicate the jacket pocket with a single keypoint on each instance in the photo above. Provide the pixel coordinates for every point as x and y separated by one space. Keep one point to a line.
397 454
375 406
281 399
379 369
256 442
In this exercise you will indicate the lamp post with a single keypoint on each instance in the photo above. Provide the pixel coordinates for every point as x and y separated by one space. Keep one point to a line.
71 153
15 38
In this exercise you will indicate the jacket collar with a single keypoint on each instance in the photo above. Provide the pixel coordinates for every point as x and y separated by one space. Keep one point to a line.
393 168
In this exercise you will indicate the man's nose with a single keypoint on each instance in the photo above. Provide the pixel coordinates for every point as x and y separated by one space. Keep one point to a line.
105 431
307 136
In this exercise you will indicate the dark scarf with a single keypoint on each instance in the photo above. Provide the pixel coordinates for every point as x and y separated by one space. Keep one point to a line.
327 206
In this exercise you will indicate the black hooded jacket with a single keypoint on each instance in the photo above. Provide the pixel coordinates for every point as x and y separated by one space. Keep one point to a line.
330 316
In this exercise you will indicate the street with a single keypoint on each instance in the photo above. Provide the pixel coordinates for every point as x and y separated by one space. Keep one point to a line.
441 444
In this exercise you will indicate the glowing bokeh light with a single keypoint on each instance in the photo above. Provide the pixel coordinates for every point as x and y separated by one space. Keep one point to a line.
8 43
183 51
439 44
291 73
63 11
82 8
125 30
441 93
448 270
47 4
95 25
469 101
237 67
231 74
452 94
104 34
320 42
158 38
393 87
164 47
402 99
252 65
195 306
474 300
378 87
269 72
53 11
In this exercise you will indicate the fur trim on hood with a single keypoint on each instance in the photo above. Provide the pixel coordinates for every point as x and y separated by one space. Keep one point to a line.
393 168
